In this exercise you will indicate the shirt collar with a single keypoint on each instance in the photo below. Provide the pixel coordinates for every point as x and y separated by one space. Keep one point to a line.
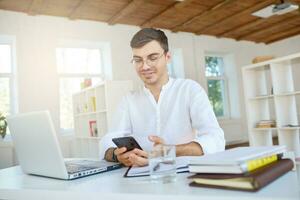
164 87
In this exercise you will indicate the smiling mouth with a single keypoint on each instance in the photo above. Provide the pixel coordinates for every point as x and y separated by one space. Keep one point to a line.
148 74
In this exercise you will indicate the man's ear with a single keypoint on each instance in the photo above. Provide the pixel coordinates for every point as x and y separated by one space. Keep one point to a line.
168 57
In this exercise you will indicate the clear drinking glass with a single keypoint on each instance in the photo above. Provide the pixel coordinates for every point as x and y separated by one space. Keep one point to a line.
162 163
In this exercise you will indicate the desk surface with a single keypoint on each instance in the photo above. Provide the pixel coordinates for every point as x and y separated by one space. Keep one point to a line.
14 184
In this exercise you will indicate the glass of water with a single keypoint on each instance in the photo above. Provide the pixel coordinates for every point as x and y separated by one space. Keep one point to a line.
162 163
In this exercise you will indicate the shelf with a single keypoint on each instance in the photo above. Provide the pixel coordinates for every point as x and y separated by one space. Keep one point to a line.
289 128
272 91
89 88
261 97
268 62
87 138
287 94
89 113
93 114
264 129
258 66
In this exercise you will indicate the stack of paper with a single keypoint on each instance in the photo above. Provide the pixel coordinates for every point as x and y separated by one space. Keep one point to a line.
181 165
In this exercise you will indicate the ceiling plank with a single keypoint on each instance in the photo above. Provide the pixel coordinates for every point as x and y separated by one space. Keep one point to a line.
197 17
232 17
127 9
150 22
241 27
72 14
285 37
281 35
35 7
247 26
268 27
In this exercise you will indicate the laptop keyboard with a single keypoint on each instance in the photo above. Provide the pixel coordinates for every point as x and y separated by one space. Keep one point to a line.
82 165
77 168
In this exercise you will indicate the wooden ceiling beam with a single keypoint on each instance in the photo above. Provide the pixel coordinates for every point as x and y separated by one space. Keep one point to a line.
246 26
268 27
152 20
127 9
242 27
201 15
235 15
35 7
72 14
281 35
285 37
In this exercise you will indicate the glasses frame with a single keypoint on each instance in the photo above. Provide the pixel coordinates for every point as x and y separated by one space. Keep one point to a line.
150 63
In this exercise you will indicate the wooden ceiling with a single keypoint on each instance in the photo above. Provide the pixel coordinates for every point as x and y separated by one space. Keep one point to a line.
220 18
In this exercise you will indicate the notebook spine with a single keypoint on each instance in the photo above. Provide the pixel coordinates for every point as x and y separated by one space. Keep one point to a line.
274 171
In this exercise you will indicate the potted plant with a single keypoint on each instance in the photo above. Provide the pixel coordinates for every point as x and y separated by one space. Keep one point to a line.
3 125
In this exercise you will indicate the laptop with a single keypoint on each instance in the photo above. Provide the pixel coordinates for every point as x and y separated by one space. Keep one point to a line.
39 153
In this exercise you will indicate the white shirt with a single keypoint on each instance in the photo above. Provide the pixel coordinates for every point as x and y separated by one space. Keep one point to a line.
182 114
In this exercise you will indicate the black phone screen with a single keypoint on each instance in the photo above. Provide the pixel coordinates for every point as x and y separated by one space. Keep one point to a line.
129 142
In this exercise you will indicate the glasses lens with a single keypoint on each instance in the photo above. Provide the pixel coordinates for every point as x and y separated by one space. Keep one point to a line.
137 63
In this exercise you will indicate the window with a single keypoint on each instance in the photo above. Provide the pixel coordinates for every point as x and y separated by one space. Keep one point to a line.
175 67
74 65
217 85
7 79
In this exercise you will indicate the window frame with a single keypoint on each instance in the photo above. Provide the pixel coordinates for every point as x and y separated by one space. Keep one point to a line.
226 100
104 49
12 76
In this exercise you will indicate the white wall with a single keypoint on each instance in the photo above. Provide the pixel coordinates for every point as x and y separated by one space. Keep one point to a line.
285 47
37 37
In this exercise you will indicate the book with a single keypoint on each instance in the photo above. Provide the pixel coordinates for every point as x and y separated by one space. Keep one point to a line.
237 160
252 181
93 103
93 128
181 166
266 124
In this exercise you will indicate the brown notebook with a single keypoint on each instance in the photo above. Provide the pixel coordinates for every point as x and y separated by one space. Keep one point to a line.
251 181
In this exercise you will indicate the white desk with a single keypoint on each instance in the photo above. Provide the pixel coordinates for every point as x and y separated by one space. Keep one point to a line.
111 185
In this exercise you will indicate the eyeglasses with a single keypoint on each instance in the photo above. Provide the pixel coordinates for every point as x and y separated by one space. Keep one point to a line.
151 60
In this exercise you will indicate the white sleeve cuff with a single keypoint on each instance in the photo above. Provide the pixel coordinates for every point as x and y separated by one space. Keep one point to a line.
210 144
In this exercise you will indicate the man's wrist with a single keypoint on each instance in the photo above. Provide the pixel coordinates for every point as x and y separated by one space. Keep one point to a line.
109 153
114 158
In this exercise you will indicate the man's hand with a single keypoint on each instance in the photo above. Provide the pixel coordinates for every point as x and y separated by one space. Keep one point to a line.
123 156
156 140
138 157
188 149
135 157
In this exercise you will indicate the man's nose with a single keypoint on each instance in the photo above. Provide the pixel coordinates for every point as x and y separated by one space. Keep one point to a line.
145 66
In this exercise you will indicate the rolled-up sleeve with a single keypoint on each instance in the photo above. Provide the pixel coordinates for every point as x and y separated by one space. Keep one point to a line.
208 132
121 127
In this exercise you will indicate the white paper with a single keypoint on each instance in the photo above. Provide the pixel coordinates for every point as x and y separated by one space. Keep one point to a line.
181 165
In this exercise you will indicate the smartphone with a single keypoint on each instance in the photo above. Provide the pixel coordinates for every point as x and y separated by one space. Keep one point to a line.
129 142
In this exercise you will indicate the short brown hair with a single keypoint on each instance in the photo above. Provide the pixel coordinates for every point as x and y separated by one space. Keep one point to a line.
147 35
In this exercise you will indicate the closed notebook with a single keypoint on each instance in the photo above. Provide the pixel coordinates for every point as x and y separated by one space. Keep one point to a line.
251 181
236 161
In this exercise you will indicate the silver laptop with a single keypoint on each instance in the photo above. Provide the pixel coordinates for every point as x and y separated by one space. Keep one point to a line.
39 153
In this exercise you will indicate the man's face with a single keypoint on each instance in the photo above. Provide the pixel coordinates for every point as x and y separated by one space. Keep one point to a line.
151 63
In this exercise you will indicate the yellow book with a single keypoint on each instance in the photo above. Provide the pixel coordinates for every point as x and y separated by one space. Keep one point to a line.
260 162
93 103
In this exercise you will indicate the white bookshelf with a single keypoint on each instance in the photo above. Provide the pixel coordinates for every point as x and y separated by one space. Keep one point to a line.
94 108
271 93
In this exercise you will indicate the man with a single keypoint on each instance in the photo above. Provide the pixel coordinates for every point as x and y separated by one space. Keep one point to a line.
165 110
